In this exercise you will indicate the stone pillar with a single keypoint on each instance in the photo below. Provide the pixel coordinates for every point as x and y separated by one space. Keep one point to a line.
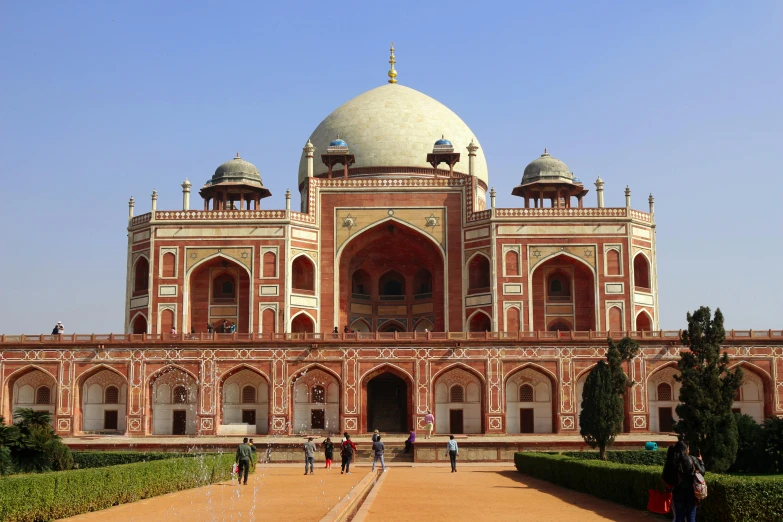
627 198
206 418
131 204
309 149
492 195
186 195
137 414
64 413
472 148
651 201
154 202
599 191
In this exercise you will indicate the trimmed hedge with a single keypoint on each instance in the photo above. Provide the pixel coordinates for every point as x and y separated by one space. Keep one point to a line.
640 457
49 496
100 459
731 498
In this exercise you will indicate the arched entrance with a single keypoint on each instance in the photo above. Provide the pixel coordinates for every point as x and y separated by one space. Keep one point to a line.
391 272
245 403
33 389
458 402
563 295
529 404
219 295
103 400
388 401
316 401
173 401
663 393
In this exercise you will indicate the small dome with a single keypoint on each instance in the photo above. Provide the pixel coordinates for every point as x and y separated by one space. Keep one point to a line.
443 141
338 143
236 170
547 168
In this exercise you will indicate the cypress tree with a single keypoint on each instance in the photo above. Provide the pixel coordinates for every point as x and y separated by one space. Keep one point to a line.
706 421
602 410
602 401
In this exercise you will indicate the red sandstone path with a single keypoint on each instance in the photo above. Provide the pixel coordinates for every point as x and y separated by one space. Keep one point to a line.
481 492
272 493
424 492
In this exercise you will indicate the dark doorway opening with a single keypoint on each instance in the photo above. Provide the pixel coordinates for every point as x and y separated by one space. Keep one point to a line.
387 404
665 420
317 419
110 420
179 423
455 421
526 420
249 417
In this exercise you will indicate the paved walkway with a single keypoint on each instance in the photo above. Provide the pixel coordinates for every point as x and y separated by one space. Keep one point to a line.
422 492
482 492
279 492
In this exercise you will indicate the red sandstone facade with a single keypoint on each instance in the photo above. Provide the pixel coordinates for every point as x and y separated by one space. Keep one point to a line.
491 318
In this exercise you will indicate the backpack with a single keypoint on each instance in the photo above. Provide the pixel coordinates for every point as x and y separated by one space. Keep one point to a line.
347 451
699 486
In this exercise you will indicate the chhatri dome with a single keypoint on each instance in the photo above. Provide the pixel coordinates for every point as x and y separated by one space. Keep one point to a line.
394 126
547 168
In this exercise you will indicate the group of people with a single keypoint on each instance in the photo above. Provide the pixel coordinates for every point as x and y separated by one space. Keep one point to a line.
225 327
58 328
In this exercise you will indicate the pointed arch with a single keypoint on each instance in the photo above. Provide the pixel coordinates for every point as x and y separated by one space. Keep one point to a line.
643 322
461 366
584 283
423 324
210 257
476 321
613 262
306 314
238 368
133 326
361 325
166 369
479 273
387 326
141 275
314 366
543 417
303 273
642 271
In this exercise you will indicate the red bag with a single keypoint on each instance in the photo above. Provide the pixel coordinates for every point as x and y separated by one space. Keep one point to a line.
658 502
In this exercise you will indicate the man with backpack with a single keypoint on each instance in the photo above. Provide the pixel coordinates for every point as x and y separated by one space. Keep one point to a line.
347 452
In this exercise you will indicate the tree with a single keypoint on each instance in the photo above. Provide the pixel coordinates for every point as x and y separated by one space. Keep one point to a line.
706 421
602 399
37 447
8 437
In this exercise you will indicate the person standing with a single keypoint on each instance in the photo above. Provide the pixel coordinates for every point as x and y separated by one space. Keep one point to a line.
377 449
429 421
453 449
243 460
683 467
253 455
173 331
328 452
376 436
309 451
410 441
347 451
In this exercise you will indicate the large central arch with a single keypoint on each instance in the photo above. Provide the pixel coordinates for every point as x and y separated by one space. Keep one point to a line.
391 272
563 295
388 400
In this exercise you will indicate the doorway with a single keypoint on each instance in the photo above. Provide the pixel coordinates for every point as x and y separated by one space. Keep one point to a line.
455 421
526 424
110 420
179 423
249 417
387 404
665 420
318 419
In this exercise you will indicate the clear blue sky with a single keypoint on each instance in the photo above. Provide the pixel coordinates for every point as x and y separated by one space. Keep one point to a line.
106 100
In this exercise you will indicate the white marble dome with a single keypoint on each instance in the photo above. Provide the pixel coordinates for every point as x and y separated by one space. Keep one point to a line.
394 126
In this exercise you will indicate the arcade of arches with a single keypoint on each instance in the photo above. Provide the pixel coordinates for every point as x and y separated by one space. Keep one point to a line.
359 395
391 280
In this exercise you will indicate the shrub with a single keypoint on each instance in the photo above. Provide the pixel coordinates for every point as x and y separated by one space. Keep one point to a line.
772 440
748 445
100 459
642 457
731 498
49 496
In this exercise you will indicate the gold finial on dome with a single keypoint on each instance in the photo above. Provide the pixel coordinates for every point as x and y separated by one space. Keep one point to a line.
392 73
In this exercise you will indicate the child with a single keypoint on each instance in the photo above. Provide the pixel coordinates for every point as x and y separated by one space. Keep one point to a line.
328 452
